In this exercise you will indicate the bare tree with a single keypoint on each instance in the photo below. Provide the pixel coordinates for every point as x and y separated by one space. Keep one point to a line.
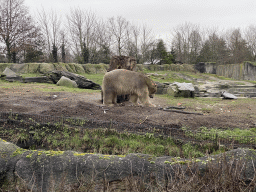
250 37
17 28
82 25
133 41
118 27
185 41
50 24
103 41
237 45
177 45
214 49
147 43
195 45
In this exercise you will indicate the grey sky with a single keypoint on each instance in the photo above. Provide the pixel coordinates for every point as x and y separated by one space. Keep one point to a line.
163 15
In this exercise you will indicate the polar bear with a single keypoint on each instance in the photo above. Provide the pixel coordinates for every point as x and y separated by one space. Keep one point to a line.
122 81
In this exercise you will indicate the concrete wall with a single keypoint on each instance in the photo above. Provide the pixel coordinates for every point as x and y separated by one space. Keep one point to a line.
45 67
243 71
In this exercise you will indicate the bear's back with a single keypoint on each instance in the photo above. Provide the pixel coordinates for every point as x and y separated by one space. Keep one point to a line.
124 78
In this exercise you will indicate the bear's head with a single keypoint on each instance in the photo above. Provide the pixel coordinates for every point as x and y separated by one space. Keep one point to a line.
152 89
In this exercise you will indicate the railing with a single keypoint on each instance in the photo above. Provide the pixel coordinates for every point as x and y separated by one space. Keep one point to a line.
27 120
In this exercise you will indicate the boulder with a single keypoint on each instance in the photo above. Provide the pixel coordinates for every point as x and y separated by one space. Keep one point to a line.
49 170
2 76
80 80
227 95
64 81
181 89
7 161
161 88
9 73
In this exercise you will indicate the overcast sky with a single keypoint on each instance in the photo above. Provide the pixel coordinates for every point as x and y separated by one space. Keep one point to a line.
163 15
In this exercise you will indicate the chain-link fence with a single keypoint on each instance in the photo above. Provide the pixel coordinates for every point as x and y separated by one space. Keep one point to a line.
31 120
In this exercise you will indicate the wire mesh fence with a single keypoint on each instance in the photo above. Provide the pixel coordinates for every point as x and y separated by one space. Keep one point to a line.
28 120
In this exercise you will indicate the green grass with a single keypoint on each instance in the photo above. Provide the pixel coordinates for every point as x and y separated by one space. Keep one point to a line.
104 141
96 78
44 87
233 132
240 135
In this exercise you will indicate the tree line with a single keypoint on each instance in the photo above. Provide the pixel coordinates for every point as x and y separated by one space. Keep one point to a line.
82 37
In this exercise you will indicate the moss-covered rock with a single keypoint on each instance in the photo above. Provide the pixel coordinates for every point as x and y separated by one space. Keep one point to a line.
95 68
46 67
39 169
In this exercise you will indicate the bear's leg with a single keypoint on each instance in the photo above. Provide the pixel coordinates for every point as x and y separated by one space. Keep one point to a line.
134 99
108 97
144 99
114 98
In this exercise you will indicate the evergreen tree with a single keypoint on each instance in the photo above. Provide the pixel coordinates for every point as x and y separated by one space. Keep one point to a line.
32 55
162 54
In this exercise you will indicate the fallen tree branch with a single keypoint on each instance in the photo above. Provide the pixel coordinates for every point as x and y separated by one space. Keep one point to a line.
178 111
174 107
144 120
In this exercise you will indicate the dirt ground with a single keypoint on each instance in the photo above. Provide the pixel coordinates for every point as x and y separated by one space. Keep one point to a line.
223 114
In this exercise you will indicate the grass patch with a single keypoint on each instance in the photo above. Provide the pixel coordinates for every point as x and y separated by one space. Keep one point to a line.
191 102
104 141
240 135
96 78
44 87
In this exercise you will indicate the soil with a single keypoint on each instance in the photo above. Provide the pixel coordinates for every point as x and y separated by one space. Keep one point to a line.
222 114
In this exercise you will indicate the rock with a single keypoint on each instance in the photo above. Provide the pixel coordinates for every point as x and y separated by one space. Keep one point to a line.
49 170
161 88
227 95
7 161
2 76
181 89
80 80
9 73
64 81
